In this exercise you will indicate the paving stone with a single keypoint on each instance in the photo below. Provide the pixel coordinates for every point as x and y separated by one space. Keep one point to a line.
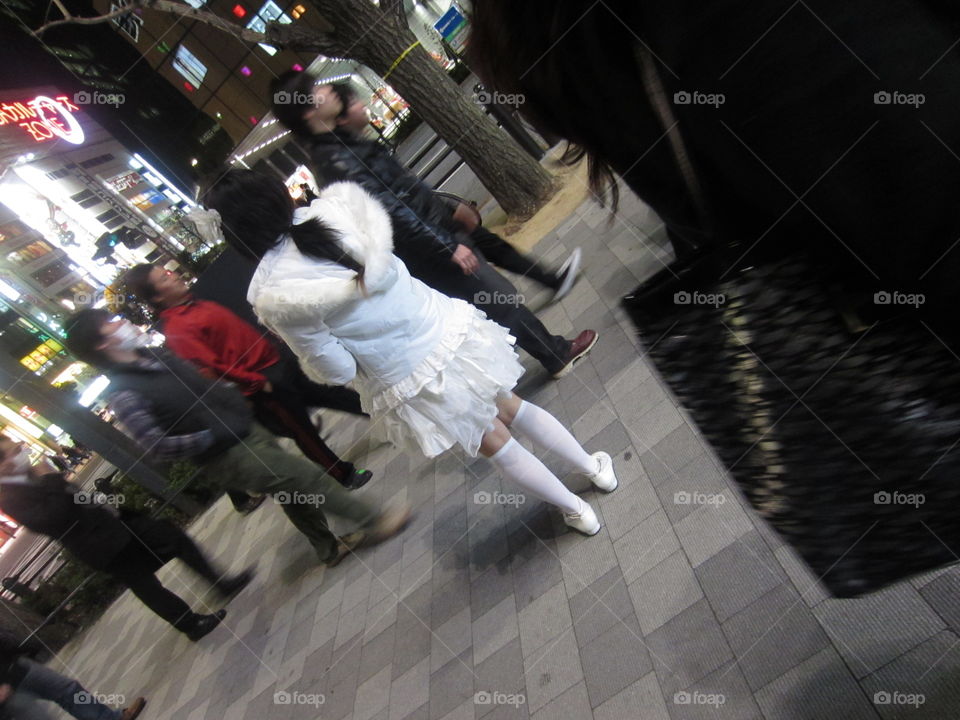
687 648
613 662
584 560
488 590
376 654
602 606
664 591
713 527
451 686
943 595
820 687
908 687
628 505
574 704
723 693
372 696
551 673
643 696
692 486
450 640
501 673
410 691
872 630
647 545
739 574
495 629
544 619
773 634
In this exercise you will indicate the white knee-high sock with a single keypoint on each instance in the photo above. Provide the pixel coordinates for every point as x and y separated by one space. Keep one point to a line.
547 432
523 469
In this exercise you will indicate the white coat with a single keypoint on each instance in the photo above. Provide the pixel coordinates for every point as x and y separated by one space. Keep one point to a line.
317 308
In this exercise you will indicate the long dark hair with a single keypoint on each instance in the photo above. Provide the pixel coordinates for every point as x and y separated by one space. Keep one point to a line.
576 71
256 211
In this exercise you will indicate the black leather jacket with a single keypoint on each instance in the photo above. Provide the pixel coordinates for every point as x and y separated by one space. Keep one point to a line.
423 228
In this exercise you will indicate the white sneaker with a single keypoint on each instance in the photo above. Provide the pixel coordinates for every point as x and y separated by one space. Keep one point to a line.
604 478
585 521
569 272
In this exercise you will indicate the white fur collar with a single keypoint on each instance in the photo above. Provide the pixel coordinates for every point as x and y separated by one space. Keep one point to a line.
291 286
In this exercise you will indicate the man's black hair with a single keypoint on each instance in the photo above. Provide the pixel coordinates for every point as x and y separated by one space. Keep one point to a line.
137 283
85 335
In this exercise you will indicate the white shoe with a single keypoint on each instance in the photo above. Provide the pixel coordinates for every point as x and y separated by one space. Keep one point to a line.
569 272
604 478
585 521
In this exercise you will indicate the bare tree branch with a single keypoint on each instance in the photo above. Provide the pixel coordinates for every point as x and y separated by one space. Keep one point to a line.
290 36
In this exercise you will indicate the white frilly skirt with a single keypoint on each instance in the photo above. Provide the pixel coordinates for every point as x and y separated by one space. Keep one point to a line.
450 397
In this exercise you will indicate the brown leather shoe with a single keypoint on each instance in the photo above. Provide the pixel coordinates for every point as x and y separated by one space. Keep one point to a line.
579 346
346 544
390 522
129 713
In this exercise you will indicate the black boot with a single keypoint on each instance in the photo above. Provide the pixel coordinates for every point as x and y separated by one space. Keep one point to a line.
204 624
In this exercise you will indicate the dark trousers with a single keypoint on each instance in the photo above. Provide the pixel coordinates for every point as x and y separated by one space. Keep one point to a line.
505 256
286 412
154 544
498 298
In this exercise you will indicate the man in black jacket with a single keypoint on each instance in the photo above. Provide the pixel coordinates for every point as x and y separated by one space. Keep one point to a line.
174 413
23 682
425 237
128 546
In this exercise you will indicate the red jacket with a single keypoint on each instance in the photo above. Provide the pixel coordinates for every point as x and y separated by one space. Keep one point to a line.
220 343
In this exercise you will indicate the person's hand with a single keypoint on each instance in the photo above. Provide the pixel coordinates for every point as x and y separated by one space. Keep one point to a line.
267 387
6 691
464 257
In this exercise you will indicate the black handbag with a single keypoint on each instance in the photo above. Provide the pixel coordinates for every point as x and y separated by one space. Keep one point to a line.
843 435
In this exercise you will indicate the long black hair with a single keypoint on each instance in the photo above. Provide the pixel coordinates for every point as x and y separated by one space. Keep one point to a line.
576 71
256 211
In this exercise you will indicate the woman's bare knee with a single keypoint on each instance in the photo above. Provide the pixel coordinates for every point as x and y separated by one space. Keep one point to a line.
507 408
494 439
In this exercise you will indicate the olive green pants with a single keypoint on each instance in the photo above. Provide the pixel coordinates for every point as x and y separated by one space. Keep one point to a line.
302 488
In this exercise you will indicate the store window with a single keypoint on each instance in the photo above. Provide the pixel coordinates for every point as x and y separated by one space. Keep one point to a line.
11 230
270 12
29 253
188 65
54 272
99 160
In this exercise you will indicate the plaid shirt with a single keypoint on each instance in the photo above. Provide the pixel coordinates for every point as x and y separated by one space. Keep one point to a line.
137 420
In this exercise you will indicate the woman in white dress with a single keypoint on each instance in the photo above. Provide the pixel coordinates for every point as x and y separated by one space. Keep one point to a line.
431 371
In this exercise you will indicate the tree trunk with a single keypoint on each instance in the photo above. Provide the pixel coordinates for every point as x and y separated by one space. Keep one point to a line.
376 37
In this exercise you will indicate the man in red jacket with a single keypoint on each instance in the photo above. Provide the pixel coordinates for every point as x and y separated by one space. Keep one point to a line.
223 345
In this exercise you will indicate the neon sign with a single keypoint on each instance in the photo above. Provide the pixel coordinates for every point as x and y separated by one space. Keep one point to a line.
44 118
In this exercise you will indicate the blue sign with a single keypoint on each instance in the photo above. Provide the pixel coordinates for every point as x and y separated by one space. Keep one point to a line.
450 23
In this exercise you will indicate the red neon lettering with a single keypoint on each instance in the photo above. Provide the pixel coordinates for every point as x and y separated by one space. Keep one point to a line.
65 101
39 131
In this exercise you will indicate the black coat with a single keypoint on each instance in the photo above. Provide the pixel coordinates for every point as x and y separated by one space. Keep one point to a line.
424 234
48 506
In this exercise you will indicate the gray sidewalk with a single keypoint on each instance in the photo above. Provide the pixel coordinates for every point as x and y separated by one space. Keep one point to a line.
490 610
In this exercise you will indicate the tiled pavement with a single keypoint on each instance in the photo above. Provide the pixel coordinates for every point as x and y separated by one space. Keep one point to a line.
493 611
